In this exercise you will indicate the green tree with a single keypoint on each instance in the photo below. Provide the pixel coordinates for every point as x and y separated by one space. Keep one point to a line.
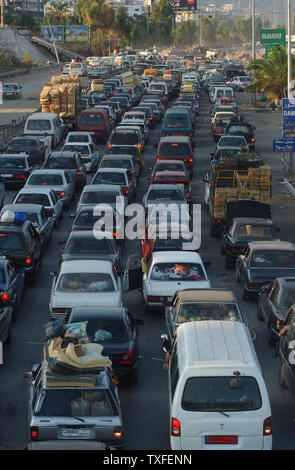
185 33
161 21
271 74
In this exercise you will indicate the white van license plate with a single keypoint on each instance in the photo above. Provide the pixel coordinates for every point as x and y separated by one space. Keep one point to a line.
74 433
221 439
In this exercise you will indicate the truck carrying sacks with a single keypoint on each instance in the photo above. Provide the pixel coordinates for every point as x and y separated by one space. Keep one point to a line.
62 96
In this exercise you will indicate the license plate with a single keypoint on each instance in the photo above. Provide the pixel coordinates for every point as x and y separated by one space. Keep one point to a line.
74 433
7 175
221 439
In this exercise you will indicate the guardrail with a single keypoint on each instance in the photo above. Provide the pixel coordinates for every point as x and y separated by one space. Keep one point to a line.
9 131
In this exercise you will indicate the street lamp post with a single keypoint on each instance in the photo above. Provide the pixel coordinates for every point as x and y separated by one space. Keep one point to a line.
253 43
52 39
291 158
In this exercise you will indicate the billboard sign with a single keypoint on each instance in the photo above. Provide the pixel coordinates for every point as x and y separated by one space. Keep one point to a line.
283 145
76 33
273 36
50 33
288 118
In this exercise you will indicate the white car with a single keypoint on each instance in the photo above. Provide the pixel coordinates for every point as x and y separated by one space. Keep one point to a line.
227 141
44 196
84 283
80 137
89 155
94 194
170 271
145 130
58 180
239 83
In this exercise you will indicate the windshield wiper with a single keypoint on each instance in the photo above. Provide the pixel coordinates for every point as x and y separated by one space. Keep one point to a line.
222 412
68 416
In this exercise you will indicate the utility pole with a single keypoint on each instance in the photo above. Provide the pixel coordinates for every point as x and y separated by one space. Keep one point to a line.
2 13
253 42
291 158
274 13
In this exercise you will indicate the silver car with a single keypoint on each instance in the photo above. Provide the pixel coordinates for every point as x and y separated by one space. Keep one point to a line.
58 180
59 411
89 155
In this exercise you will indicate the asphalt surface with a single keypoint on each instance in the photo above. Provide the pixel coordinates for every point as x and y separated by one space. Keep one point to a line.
145 404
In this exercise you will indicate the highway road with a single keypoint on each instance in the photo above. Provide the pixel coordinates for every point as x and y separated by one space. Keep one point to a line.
145 404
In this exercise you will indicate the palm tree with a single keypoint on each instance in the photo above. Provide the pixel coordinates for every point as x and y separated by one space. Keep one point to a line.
59 9
271 74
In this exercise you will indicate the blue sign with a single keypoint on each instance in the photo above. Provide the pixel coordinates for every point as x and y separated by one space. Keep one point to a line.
288 118
55 33
283 145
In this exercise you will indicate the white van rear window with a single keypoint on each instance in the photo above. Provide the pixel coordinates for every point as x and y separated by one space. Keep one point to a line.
39 125
223 394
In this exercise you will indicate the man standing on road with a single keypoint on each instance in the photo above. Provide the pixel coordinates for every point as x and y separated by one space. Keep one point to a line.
48 142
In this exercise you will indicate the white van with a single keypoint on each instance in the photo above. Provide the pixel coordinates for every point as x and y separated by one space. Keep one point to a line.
217 396
222 92
78 68
37 124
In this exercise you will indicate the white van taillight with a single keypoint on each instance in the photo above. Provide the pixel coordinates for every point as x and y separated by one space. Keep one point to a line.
34 433
175 427
267 428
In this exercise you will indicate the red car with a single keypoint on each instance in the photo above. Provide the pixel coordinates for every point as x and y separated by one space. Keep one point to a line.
177 148
178 177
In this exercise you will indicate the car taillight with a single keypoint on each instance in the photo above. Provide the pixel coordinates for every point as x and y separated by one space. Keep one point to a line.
175 427
217 131
252 140
78 173
218 221
4 297
61 194
125 190
190 134
20 176
49 211
152 298
33 152
157 159
191 160
109 146
34 433
118 433
237 249
253 285
267 427
128 357
28 260
60 311
150 118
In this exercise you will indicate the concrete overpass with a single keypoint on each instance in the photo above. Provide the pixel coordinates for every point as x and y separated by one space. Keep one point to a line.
64 54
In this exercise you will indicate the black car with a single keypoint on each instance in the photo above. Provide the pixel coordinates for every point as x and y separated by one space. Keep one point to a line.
274 302
15 169
242 231
84 245
286 348
21 243
70 161
11 286
242 128
116 331
32 146
85 220
262 262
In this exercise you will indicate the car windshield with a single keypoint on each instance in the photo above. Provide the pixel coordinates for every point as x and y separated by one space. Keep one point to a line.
11 242
288 298
89 245
253 231
177 272
41 199
39 125
221 394
124 151
176 122
165 194
85 282
78 138
61 163
231 141
84 149
87 219
93 119
109 178
97 197
74 402
45 179
273 259
114 163
107 331
12 162
207 311
168 148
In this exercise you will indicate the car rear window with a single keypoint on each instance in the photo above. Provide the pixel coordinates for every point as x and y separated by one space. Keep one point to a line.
78 138
85 282
124 151
89 245
84 149
168 148
177 272
25 143
107 331
41 199
109 178
114 163
93 119
61 163
273 259
45 179
176 122
12 163
11 241
39 125
124 138
244 129
165 194
221 394
98 197
87 219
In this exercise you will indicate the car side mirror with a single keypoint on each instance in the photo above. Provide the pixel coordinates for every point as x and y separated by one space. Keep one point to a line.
278 229
52 273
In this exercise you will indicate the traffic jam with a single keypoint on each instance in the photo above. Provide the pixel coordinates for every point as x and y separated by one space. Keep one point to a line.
109 141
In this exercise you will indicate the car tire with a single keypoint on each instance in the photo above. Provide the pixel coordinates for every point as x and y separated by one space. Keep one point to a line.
229 261
245 294
260 316
282 375
270 336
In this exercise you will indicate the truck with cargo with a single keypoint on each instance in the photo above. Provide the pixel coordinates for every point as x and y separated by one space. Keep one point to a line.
62 96
242 176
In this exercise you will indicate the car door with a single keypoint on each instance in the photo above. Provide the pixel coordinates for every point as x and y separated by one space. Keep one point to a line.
271 304
132 333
